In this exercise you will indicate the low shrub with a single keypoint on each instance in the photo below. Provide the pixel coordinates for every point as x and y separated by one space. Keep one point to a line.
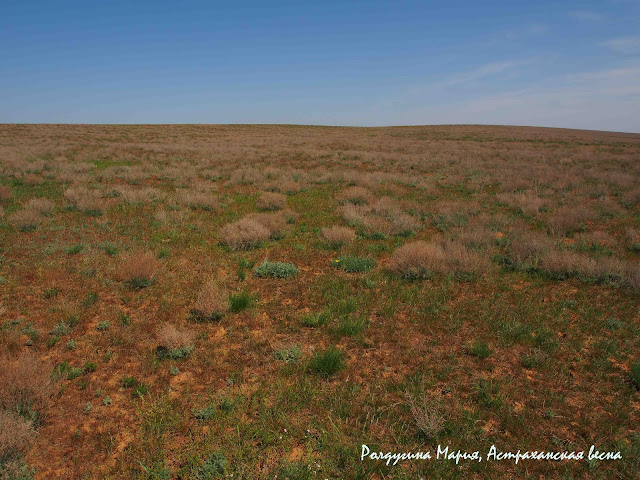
327 362
239 301
275 270
138 270
316 319
418 260
174 343
214 466
26 220
211 303
354 264
244 234
635 374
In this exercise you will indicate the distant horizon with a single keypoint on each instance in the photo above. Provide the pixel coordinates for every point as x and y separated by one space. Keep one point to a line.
115 124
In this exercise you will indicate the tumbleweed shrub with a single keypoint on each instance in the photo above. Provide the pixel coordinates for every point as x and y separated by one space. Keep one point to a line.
85 199
174 343
428 416
211 303
43 206
418 260
355 195
244 234
271 201
15 435
275 270
26 220
138 270
274 222
337 236
26 385
6 193
354 264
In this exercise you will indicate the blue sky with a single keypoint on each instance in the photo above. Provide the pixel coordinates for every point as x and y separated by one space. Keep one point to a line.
568 64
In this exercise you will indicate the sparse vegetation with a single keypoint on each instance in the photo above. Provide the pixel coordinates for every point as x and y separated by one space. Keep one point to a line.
275 270
485 292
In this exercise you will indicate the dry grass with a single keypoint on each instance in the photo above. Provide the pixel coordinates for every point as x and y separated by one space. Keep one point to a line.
418 259
6 193
32 180
212 300
15 435
356 196
25 384
203 200
173 338
428 416
337 236
85 199
41 205
138 266
569 219
271 201
27 219
244 234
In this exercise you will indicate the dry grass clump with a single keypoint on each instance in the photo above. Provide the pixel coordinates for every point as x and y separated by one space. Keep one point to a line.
211 303
173 338
273 222
356 196
89 201
527 202
383 217
6 193
337 236
418 259
568 219
138 270
428 416
255 228
194 200
290 187
528 248
15 435
354 214
25 384
271 201
563 264
244 234
41 205
26 220
463 261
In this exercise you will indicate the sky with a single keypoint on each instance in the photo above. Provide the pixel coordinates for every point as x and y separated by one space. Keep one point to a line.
555 63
